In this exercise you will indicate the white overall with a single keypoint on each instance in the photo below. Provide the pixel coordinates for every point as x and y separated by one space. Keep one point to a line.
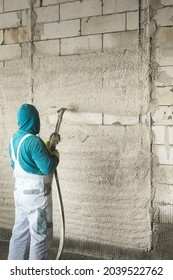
33 213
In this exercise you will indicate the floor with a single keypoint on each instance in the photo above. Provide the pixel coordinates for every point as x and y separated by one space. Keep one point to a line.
163 250
65 256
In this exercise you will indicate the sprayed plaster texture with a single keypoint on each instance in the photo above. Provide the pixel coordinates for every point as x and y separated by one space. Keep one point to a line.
103 171
96 172
106 82
93 175
15 89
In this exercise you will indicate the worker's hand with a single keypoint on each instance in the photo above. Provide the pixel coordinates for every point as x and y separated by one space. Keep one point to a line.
47 143
55 153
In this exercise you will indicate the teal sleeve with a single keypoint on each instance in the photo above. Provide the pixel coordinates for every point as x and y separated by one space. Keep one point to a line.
34 156
40 156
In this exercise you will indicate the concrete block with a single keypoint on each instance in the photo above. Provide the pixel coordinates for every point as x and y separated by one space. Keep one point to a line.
10 52
78 117
164 76
120 120
83 44
164 16
164 43
47 48
10 20
47 14
79 9
166 2
1 36
164 35
163 174
163 194
17 35
118 6
132 20
61 29
54 2
50 2
103 24
163 135
23 35
120 40
164 95
25 17
11 5
11 36
164 56
1 6
164 156
163 116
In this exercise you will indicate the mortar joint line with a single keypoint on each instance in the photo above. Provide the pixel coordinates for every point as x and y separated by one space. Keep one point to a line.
102 47
140 23
80 31
102 6
102 118
59 12
125 21
31 50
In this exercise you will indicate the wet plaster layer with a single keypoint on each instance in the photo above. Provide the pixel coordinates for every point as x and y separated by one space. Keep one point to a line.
105 169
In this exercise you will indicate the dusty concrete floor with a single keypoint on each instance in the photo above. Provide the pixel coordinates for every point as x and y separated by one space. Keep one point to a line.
3 250
162 241
65 256
69 252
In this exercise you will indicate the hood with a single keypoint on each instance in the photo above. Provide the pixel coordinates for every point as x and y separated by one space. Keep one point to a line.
28 119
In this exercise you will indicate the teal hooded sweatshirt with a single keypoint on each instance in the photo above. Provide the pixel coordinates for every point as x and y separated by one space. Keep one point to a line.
34 156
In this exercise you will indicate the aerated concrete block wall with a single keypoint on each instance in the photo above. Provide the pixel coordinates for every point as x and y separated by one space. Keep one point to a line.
162 118
94 55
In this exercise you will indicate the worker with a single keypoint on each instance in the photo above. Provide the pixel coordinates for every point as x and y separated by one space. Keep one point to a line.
33 165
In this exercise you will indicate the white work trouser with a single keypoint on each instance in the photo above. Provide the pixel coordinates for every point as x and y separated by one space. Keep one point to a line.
33 214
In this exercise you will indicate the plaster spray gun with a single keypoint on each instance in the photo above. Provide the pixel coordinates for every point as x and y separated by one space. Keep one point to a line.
54 140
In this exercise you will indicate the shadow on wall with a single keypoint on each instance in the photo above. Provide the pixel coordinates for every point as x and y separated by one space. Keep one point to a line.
74 250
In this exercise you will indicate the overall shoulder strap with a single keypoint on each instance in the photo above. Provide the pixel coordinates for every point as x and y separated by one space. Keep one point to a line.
21 141
12 149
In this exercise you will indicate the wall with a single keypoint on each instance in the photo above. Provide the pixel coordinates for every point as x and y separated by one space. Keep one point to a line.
56 53
162 100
